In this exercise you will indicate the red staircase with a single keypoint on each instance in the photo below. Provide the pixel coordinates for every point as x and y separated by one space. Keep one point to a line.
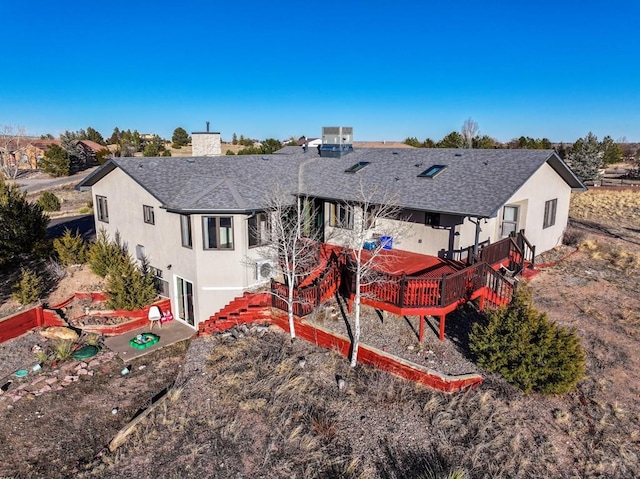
248 308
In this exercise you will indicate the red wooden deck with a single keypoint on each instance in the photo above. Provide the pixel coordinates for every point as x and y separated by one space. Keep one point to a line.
407 283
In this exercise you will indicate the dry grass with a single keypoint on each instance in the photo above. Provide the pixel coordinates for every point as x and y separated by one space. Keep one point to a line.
615 255
611 206
252 411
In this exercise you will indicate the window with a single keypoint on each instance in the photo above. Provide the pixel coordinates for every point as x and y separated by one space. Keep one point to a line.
432 171
357 167
149 216
161 285
369 217
258 229
140 253
510 220
432 219
217 232
185 229
103 211
341 215
550 213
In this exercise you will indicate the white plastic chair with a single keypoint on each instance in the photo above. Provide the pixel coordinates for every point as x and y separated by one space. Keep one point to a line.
155 315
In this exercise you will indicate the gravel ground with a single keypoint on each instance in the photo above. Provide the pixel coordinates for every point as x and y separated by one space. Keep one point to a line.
16 353
398 335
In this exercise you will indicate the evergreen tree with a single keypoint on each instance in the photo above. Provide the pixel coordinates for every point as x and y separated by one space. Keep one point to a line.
527 349
452 140
71 248
22 224
55 161
234 139
130 287
585 158
94 135
180 137
611 151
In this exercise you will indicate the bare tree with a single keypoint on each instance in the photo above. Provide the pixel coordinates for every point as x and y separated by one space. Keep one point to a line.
292 245
469 131
376 214
11 142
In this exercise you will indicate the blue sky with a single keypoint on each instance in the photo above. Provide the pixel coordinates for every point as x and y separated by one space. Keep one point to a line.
278 69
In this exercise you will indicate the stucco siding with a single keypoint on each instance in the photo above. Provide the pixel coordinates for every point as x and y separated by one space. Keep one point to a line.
544 185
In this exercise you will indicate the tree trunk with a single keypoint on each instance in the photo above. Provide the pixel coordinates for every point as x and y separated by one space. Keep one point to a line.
292 328
356 320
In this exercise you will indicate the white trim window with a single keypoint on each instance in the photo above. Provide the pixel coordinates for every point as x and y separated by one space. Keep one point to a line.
148 214
217 232
102 209
185 231
341 216
550 208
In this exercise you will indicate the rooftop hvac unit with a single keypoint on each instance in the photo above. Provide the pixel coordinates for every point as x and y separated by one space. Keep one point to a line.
265 270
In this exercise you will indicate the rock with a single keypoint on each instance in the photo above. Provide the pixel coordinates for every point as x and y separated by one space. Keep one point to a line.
59 332
38 379
410 348
82 372
51 380
90 373
93 363
45 389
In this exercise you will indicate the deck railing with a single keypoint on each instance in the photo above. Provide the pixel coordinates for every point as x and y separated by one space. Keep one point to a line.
418 292
307 298
401 291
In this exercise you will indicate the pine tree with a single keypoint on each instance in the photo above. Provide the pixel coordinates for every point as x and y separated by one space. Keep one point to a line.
55 161
585 158
527 349
22 224
71 249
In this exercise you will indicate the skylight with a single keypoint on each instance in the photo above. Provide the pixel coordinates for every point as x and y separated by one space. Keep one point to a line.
357 167
432 171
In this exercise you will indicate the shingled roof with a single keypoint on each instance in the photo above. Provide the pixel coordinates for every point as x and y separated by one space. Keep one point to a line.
474 182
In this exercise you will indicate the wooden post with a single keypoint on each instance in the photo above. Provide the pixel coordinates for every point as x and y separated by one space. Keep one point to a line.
421 334
442 318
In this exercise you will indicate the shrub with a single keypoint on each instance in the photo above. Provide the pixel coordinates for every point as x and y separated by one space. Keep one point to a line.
29 288
49 202
129 287
63 349
104 254
71 249
573 237
527 349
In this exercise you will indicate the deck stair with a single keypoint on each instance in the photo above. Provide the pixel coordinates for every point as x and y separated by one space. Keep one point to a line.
248 308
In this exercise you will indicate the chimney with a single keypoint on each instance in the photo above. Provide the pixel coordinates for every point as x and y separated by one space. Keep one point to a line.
207 127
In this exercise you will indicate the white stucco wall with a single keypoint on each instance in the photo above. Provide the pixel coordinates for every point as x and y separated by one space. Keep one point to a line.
218 276
544 185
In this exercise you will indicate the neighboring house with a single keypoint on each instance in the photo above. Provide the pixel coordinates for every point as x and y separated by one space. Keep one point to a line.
195 218
90 150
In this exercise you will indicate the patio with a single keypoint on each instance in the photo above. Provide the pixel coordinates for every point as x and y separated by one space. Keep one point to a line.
171 332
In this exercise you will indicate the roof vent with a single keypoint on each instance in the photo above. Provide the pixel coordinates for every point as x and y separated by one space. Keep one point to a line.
265 158
458 154
191 160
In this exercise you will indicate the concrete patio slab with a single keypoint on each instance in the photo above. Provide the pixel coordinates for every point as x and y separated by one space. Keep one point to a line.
170 333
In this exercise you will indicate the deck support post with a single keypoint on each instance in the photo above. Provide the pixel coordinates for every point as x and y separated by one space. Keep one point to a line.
481 301
442 318
421 333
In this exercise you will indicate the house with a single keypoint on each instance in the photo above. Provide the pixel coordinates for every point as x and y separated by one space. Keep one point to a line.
90 150
26 152
195 218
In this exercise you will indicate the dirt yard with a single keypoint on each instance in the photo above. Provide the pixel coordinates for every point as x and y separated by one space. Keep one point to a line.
252 404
